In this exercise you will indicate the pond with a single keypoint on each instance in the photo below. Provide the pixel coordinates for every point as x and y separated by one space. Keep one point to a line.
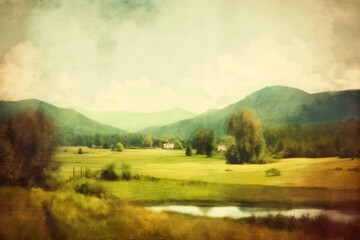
242 212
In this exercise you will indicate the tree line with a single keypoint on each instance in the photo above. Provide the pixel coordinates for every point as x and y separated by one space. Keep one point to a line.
338 139
107 141
246 138
249 142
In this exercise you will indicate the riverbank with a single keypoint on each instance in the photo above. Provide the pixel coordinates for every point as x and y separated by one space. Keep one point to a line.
37 214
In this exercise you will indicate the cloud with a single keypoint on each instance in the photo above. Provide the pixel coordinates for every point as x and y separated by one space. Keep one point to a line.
264 62
143 95
19 72
153 55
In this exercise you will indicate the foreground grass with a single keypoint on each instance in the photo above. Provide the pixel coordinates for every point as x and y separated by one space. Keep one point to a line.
67 215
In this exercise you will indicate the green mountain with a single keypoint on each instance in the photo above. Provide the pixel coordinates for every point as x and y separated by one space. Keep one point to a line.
275 106
66 120
135 121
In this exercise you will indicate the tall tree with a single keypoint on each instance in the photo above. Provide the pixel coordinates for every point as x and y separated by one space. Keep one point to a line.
203 142
250 145
27 143
188 151
147 142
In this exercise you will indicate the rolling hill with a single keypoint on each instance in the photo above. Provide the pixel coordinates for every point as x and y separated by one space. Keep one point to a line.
135 121
275 106
66 120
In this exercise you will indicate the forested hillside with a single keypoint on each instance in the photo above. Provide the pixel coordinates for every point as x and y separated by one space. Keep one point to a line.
275 106
68 122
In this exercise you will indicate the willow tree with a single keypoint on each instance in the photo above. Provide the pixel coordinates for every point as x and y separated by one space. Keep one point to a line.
246 128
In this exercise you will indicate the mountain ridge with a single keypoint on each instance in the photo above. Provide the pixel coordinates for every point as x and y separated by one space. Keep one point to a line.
64 119
275 106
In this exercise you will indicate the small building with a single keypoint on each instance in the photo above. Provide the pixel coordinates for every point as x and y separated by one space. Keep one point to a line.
221 147
169 145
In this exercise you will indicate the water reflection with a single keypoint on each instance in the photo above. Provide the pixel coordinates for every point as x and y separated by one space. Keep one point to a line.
241 212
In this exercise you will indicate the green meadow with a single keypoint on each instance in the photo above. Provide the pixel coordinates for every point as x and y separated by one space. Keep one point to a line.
167 176
78 204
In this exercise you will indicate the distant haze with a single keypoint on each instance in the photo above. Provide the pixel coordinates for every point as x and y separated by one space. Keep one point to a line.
152 55
135 121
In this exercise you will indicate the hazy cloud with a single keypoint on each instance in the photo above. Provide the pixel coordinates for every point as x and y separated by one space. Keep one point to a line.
152 55
19 72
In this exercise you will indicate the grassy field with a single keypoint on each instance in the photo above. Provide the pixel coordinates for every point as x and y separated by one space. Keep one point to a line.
324 182
62 215
168 176
173 164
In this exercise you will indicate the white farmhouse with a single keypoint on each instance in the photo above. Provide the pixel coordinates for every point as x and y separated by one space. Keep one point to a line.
169 145
221 147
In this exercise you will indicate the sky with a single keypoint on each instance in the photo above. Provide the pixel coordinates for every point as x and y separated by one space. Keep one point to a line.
152 55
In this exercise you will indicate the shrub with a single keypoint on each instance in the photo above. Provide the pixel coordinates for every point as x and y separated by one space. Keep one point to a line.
118 147
90 173
209 150
189 150
125 171
231 155
90 189
108 173
273 172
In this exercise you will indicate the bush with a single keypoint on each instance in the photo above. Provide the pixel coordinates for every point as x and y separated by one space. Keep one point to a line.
209 150
90 189
118 147
189 150
125 172
232 155
90 173
273 172
108 173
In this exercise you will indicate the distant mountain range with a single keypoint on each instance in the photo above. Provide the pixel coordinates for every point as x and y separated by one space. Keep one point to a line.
275 106
135 121
66 120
